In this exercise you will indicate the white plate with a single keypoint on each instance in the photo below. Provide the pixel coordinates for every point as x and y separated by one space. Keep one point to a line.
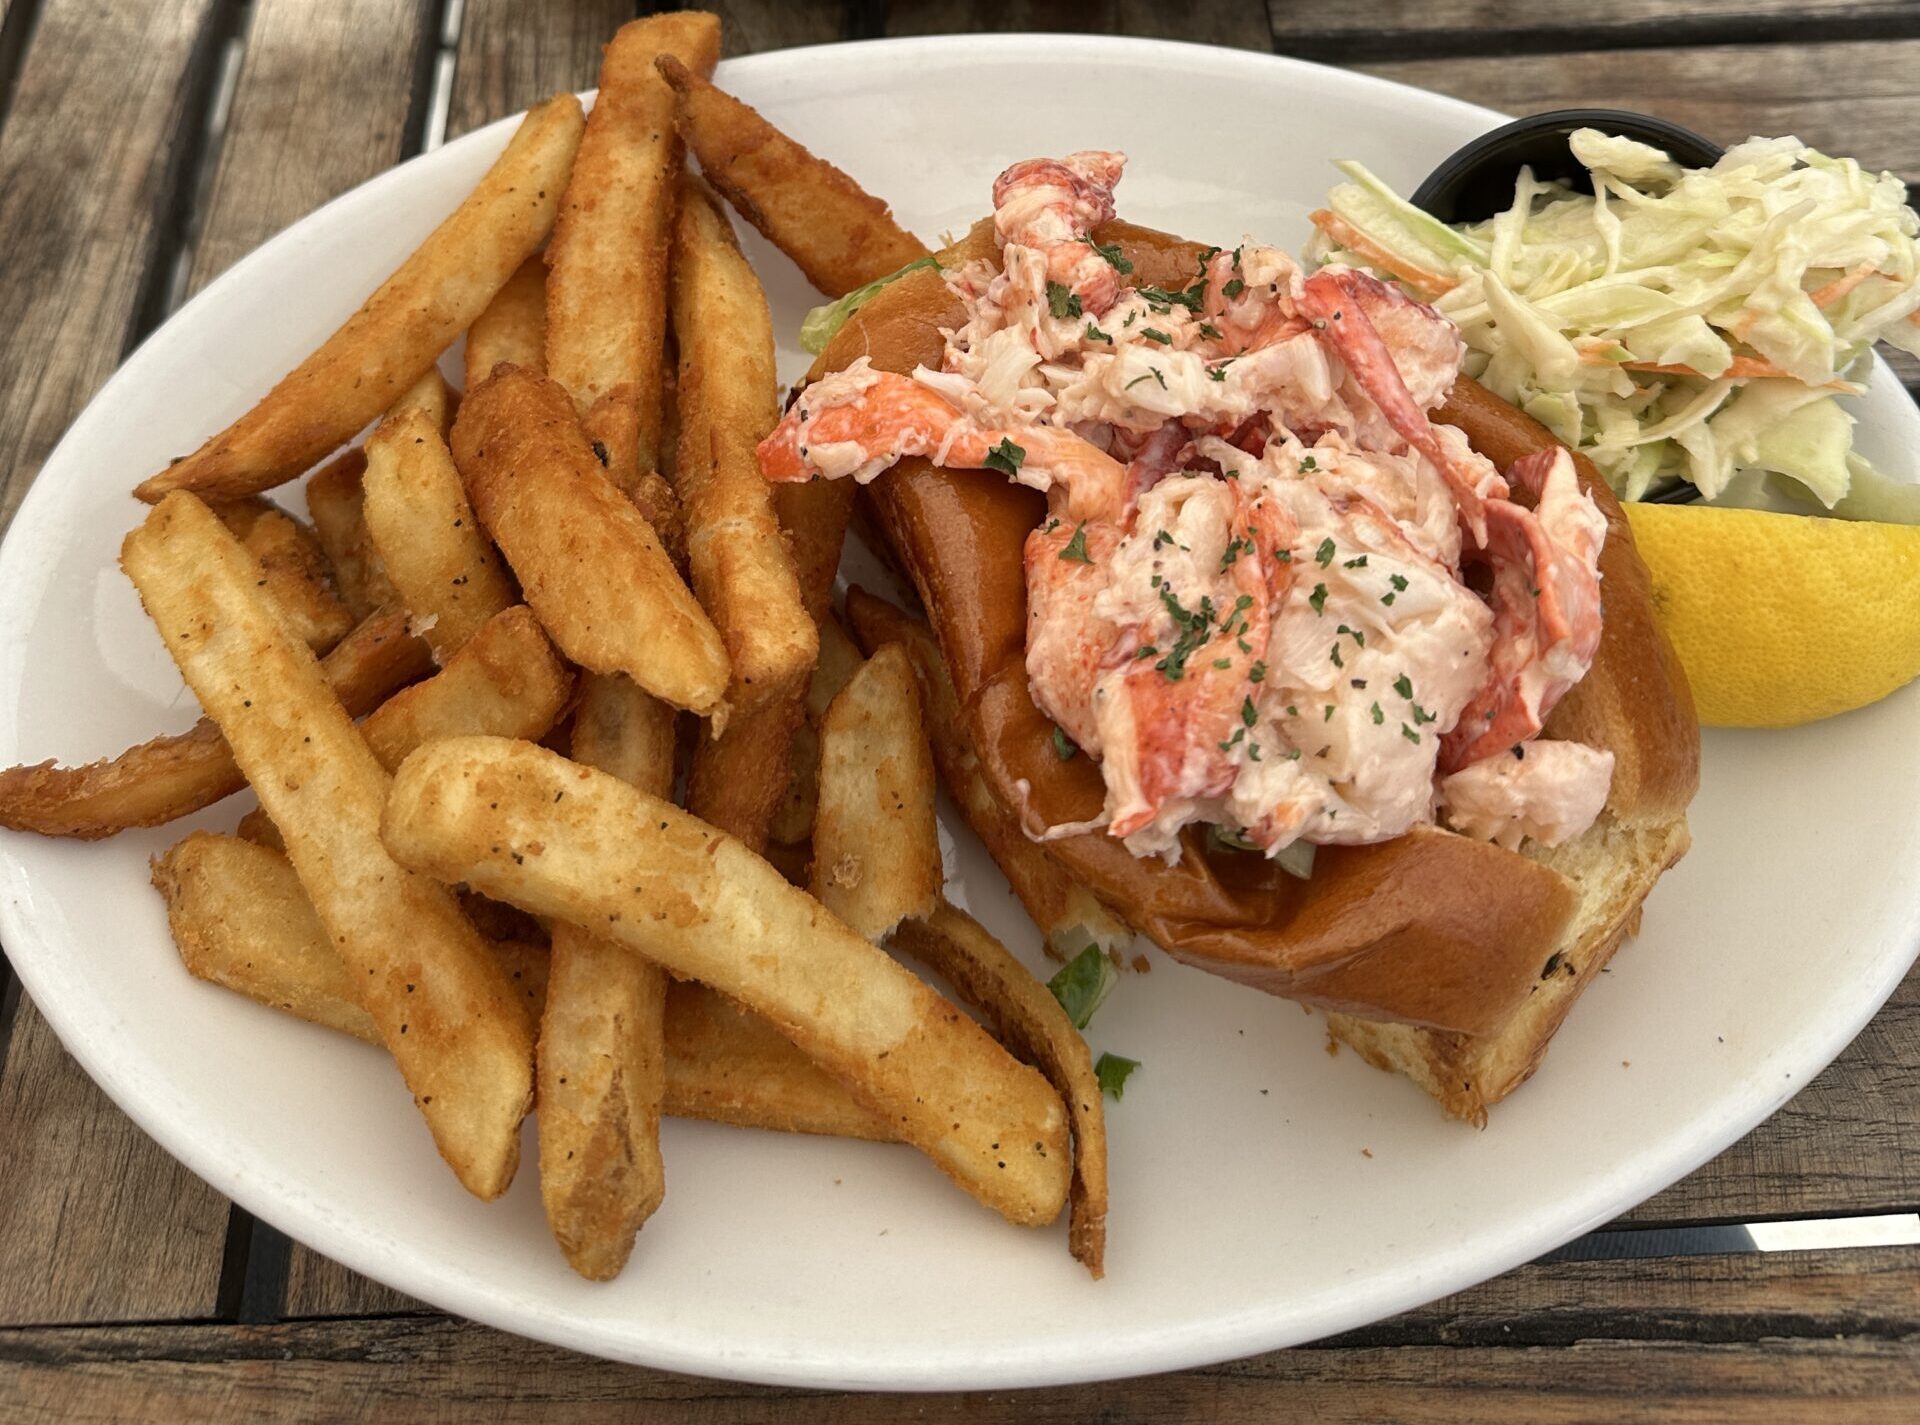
1263 1193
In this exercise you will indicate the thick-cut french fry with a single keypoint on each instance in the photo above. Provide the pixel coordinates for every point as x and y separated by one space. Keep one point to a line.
728 400
529 827
836 232
876 843
740 777
433 549
431 397
601 1058
588 562
607 263
513 328
172 777
402 328
838 661
241 921
1024 1016
506 680
450 1017
730 1066
1068 914
296 568
336 502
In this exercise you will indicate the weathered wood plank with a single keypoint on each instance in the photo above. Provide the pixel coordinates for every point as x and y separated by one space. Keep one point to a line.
1238 23
504 64
103 113
318 1286
100 1225
1786 1337
1848 1143
329 95
1413 28
752 26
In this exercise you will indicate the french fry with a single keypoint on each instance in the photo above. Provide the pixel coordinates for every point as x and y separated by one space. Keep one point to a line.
838 234
1068 914
587 561
431 397
433 549
529 827
506 680
728 401
175 776
739 778
450 1017
1024 1016
336 503
838 661
298 580
601 1056
513 328
241 921
402 328
607 263
876 843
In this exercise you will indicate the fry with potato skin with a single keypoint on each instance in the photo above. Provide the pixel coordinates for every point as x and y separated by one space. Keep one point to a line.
739 778
1024 1016
728 402
336 502
433 549
876 843
512 331
298 580
456 1028
587 561
528 827
171 777
839 660
1067 913
241 921
400 331
601 1057
607 263
838 234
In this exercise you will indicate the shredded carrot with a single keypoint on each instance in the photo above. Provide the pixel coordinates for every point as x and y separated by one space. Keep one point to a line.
1742 368
1352 239
1824 297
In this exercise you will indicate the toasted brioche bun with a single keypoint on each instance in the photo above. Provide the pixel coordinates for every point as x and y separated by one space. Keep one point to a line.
1431 930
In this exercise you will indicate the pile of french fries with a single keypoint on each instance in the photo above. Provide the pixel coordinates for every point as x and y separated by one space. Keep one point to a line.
521 619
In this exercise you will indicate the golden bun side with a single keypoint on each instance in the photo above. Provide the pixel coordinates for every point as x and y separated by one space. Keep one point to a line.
1635 703
1432 929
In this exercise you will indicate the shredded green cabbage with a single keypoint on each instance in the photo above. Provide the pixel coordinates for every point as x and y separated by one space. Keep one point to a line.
822 323
1757 288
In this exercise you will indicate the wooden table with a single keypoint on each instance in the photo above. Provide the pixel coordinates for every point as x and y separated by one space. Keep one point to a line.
146 146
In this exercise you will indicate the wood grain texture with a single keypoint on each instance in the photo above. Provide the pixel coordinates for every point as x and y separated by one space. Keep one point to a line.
1784 1337
327 98
752 26
1847 1143
87 171
512 55
319 1286
1238 23
99 1224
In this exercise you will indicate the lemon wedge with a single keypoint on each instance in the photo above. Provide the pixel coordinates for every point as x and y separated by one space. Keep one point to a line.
1782 619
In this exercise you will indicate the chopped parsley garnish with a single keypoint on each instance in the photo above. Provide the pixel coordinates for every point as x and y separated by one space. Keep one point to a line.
1006 457
1247 713
1234 287
1083 984
1334 654
1217 373
1257 673
1409 733
1111 251
1318 599
1161 299
1062 300
1095 334
1113 1071
1232 551
1308 463
1359 563
1153 334
1136 381
1323 556
1285 556
1146 651
1163 380
1162 540
1223 662
1064 747
1378 718
1399 581
1421 716
1208 329
1196 627
1388 599
1403 685
1328 715
1076 550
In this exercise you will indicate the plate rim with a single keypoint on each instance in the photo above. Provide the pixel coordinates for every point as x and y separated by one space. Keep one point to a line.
276 1199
